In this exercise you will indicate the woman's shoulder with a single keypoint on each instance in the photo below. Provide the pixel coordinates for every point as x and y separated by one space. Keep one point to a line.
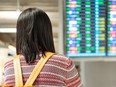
61 58
8 62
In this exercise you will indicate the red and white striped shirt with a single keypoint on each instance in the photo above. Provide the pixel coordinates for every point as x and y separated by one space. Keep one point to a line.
59 71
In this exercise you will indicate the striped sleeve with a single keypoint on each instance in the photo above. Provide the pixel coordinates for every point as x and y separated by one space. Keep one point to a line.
9 73
72 79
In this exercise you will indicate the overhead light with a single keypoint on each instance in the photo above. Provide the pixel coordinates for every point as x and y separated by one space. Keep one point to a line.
9 14
12 48
7 30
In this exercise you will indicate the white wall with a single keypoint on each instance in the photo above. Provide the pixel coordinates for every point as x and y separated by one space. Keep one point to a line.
100 74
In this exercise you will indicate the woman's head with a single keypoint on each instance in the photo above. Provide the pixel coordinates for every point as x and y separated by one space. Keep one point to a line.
34 34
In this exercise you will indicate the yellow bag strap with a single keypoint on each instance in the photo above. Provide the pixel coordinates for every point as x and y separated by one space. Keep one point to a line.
36 71
18 72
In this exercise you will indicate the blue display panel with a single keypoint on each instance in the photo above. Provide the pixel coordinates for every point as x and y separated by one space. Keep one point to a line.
85 28
112 28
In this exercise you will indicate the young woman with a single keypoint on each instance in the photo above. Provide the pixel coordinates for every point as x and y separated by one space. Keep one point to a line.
33 39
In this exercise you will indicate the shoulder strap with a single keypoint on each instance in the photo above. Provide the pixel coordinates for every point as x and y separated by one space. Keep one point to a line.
18 72
36 71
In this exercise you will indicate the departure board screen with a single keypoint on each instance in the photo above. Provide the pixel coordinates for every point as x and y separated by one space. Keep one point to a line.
85 27
112 28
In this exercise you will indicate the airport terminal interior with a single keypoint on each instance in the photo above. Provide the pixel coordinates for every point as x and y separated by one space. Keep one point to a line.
84 30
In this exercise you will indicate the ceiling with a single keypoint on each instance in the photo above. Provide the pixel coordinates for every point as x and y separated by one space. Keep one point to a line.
49 6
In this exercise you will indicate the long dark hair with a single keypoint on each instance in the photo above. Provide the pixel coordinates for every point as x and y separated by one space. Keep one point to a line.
34 34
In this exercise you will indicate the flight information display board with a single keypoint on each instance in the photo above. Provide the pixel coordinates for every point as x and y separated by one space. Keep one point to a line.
85 27
112 28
